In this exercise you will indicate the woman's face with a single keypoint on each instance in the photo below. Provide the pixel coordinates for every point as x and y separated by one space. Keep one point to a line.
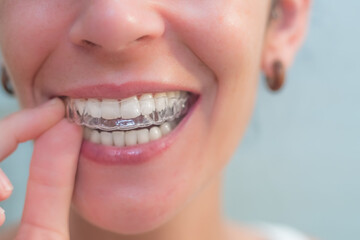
115 49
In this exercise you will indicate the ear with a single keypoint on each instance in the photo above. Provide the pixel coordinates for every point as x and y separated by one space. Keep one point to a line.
285 34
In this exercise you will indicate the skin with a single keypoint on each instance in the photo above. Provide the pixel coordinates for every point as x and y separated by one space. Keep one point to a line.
215 48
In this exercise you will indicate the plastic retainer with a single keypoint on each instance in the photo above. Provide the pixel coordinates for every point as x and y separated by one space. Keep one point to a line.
177 109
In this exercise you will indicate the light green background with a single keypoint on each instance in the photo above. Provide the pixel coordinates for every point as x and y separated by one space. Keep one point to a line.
299 163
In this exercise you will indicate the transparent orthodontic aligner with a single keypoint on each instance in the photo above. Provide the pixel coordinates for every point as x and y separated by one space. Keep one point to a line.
172 112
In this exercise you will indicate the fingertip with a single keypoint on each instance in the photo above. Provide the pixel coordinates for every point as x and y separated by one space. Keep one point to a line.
55 104
5 194
2 216
6 187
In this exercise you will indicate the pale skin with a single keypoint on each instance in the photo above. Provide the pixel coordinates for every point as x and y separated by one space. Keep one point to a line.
216 48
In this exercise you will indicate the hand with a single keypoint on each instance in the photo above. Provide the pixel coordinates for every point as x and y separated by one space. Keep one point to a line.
52 168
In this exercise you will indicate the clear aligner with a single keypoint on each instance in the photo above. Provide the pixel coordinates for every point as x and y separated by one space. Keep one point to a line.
81 112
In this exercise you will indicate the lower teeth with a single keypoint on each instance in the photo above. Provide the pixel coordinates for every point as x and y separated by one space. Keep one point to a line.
128 138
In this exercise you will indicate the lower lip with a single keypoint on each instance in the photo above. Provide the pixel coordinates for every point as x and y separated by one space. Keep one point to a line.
133 155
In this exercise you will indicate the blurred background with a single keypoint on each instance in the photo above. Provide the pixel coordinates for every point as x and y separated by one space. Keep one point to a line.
299 162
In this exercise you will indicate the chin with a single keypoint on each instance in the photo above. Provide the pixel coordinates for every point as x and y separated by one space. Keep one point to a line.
136 189
126 206
124 213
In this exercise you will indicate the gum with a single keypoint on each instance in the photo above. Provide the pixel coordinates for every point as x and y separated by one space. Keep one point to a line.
178 109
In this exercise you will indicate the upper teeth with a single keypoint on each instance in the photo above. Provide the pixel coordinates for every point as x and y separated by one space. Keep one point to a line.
130 113
128 108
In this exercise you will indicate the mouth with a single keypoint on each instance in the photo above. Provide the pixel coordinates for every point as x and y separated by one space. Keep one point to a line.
129 130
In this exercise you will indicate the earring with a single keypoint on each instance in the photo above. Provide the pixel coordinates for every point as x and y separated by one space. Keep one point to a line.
277 80
6 81
274 10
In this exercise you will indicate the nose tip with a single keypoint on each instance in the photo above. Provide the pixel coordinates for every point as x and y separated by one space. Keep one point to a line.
115 24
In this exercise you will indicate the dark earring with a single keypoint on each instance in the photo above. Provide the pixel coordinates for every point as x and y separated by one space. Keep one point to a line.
277 80
274 10
6 81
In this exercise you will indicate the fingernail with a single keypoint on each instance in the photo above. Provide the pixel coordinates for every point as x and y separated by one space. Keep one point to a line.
5 182
52 101
2 211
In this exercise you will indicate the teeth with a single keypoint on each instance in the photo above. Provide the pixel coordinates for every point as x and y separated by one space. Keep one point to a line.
160 101
126 108
143 136
147 104
130 108
95 136
171 98
155 133
110 115
130 138
87 133
106 138
80 105
165 128
93 105
119 138
110 109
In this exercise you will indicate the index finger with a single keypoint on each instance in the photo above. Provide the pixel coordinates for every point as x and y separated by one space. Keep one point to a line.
51 182
28 124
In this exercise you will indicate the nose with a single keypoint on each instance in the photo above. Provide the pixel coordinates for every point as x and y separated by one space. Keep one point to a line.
115 24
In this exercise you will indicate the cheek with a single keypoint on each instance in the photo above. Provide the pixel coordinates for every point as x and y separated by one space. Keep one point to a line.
228 39
29 30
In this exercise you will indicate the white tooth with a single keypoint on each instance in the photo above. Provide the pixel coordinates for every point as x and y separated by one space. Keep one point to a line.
143 136
130 138
155 133
171 94
94 108
165 128
130 108
106 138
119 138
171 98
95 136
147 104
110 109
160 101
80 105
177 94
86 133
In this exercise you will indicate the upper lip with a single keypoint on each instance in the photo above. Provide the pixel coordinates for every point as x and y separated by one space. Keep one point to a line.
120 91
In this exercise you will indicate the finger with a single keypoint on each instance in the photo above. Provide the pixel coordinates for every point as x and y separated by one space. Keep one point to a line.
2 216
28 124
5 186
51 181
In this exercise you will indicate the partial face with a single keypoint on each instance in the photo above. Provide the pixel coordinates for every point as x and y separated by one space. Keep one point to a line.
208 50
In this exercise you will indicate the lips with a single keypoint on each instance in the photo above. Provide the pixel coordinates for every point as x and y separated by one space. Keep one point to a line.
122 91
114 143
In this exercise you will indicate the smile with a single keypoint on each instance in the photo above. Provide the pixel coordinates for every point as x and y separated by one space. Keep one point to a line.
130 121
130 130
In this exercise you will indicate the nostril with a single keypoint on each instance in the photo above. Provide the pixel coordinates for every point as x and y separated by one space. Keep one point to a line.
89 43
142 38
